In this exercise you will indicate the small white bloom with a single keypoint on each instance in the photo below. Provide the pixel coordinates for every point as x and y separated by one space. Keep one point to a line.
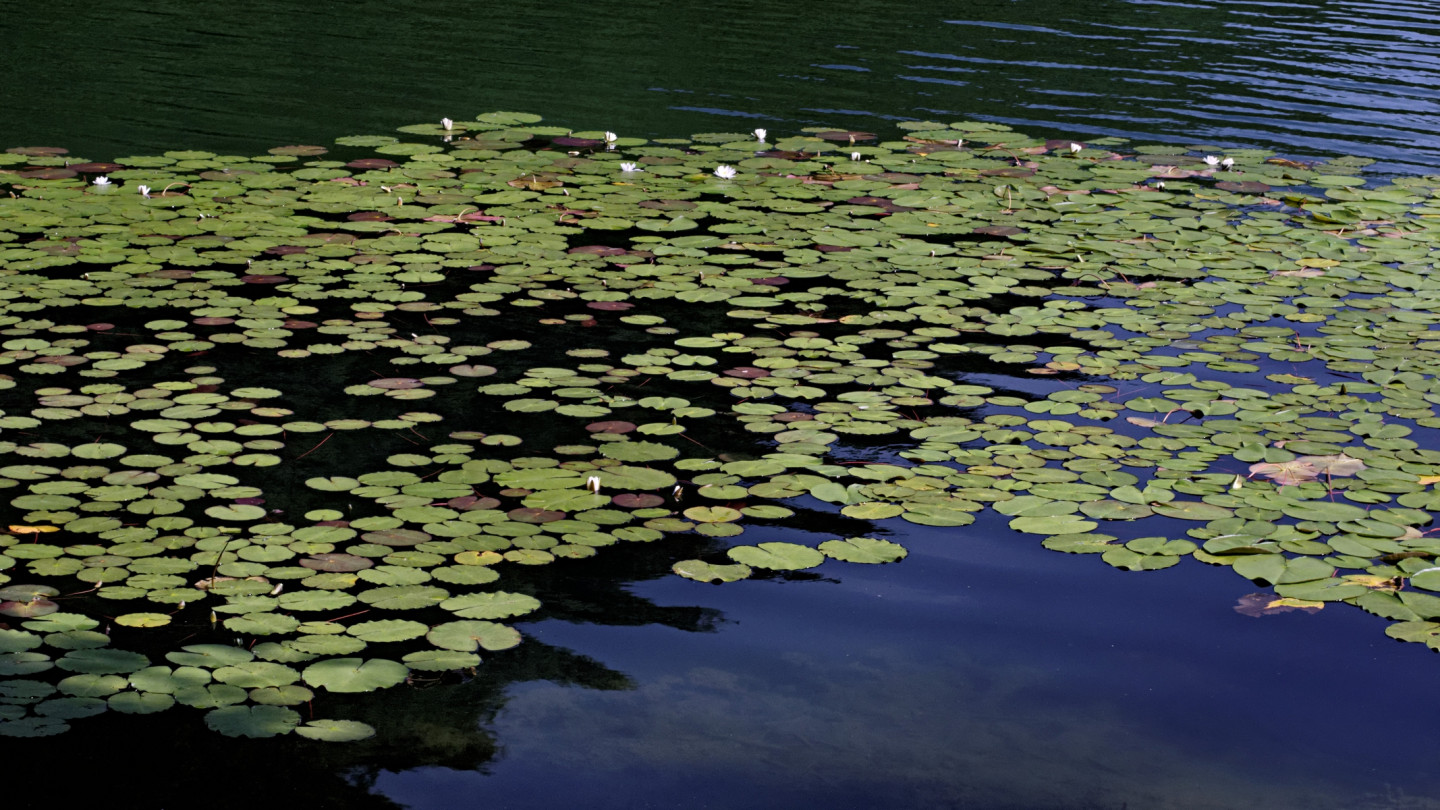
611 137
593 484
447 123
627 166
1228 162
145 192
677 492
1237 483
1075 148
1211 160
1160 185
854 155
724 172
102 180
760 134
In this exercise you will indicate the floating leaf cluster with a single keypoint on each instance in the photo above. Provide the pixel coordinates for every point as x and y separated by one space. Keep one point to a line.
286 423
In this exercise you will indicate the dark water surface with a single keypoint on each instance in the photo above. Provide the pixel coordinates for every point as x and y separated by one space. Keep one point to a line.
984 671
1314 77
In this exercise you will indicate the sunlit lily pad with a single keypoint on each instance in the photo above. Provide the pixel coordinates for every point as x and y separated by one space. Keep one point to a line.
863 550
707 572
355 674
468 636
777 556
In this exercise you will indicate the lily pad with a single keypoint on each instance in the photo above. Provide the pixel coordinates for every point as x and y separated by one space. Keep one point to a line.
355 674
468 636
777 556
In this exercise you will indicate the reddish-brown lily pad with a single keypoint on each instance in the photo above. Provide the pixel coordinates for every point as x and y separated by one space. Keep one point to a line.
793 416
530 514
28 609
337 562
849 135
396 383
1243 186
469 503
95 168
611 426
396 537
635 500
999 230
372 163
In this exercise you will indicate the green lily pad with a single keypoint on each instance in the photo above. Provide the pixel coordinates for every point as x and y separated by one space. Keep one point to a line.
777 556
440 660
863 550
252 721
335 730
495 605
470 635
707 572
355 674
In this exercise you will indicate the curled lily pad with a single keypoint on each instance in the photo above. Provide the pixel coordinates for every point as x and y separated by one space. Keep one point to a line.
708 572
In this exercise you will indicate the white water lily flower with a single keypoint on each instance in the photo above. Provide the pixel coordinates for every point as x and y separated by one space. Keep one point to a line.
593 484
760 134
626 166
611 137
854 155
1075 148
1160 185
1211 160
1228 162
102 180
447 123
725 172
145 192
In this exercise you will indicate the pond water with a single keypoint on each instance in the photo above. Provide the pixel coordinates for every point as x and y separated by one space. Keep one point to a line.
1327 77
981 671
